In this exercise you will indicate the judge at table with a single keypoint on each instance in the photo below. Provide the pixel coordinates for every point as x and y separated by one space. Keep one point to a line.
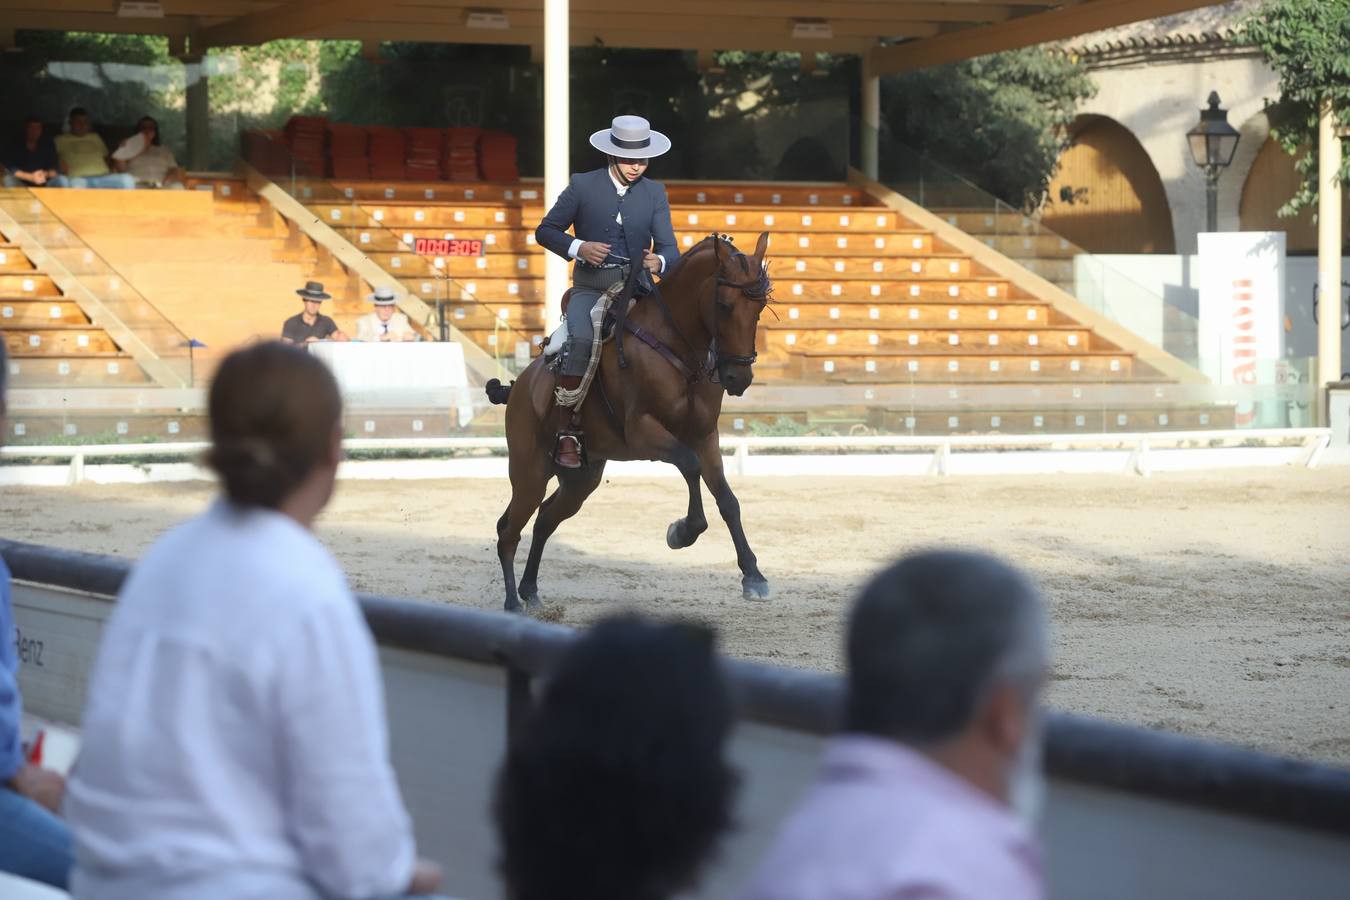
310 325
386 323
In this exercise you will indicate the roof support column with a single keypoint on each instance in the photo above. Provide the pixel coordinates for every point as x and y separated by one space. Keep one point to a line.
198 114
556 136
1328 254
871 118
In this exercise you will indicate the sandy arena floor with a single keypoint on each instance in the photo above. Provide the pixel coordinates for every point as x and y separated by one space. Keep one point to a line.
1215 605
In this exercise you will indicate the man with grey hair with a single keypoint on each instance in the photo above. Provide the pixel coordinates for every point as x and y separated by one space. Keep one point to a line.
928 792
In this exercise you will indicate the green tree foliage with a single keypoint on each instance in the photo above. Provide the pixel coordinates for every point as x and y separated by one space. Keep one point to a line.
1307 43
1000 121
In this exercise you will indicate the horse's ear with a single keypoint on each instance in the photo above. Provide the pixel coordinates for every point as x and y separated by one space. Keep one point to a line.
762 247
717 246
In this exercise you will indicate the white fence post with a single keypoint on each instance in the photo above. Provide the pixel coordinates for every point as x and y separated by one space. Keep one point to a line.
941 459
1138 461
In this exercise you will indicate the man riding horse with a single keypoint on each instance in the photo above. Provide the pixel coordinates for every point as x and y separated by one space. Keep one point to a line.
618 219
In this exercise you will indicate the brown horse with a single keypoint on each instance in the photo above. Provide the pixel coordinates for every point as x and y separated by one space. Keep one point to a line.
663 406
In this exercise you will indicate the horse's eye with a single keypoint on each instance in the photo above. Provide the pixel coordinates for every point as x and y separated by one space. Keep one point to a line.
723 307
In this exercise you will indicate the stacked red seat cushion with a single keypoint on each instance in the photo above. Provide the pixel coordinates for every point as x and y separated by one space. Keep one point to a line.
497 156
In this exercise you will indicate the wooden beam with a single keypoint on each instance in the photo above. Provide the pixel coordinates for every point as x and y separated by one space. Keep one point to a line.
285 20
436 10
220 9
1024 31
845 9
106 23
674 19
647 38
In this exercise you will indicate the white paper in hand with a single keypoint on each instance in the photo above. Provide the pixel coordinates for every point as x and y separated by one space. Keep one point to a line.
131 147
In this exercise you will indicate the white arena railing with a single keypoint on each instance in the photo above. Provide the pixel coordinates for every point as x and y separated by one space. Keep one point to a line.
878 455
1131 813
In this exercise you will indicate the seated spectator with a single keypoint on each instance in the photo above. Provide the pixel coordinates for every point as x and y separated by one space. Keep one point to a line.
234 741
617 786
310 325
31 160
928 792
145 159
386 323
34 841
84 157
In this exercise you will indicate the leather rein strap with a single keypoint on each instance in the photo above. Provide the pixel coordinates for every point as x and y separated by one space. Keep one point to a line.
667 354
757 289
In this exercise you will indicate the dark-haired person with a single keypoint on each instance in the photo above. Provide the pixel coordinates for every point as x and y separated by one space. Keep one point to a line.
234 743
34 841
617 787
31 161
618 219
929 791
310 325
84 157
153 165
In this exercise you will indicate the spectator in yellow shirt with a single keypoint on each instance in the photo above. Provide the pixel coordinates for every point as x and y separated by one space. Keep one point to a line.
84 156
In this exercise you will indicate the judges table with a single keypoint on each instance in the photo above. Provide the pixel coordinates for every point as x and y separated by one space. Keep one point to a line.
400 375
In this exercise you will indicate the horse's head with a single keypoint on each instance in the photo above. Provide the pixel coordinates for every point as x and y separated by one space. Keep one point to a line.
741 293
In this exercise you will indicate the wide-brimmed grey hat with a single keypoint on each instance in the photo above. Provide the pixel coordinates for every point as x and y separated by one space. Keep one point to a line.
630 137
313 290
383 296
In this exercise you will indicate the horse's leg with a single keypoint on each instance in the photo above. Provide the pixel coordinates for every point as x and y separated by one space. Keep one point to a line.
754 585
574 486
683 532
527 489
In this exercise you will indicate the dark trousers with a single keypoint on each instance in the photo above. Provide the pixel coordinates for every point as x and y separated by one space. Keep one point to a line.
588 283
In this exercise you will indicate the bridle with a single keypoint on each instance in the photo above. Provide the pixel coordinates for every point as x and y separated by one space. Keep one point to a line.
760 289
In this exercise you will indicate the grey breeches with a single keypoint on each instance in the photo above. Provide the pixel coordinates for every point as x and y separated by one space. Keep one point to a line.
580 331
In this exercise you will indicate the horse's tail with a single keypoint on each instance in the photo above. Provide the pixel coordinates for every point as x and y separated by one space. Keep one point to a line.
497 392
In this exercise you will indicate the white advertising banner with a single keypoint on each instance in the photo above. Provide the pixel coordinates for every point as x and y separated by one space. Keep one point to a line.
1242 310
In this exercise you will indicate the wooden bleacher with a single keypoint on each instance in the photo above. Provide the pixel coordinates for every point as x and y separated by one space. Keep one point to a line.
862 295
50 340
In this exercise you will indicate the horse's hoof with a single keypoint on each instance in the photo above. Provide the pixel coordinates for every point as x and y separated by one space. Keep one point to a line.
533 603
679 535
757 589
514 608
674 540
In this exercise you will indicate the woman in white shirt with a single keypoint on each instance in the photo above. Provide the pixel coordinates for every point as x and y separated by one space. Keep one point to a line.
153 164
234 743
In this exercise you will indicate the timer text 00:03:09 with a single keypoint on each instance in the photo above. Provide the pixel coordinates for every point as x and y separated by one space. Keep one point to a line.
437 247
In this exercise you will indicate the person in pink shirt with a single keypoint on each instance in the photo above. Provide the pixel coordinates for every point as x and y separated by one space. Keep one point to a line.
930 791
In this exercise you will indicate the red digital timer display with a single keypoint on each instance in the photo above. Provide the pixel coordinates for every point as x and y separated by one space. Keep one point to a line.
436 247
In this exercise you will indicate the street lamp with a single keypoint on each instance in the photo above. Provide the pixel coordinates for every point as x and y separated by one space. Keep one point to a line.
1213 143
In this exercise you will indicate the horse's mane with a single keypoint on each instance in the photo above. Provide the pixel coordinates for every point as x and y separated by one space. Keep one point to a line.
704 246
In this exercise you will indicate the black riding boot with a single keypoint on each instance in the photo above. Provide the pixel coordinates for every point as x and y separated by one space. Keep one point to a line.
567 446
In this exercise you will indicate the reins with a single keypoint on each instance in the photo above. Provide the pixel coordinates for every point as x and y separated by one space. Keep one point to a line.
758 288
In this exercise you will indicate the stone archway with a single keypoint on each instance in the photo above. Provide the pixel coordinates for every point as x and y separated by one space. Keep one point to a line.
1270 183
1106 195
